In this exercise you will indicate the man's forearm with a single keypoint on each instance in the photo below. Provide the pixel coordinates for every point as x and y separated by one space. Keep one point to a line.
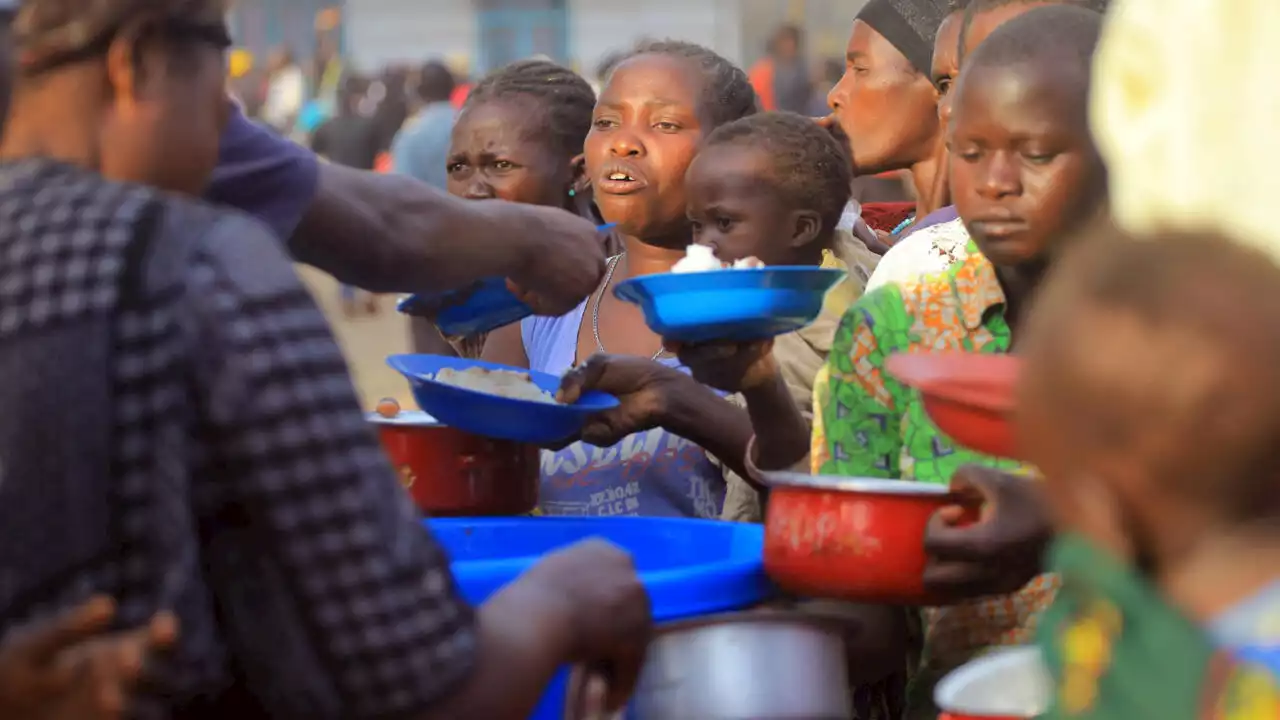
391 233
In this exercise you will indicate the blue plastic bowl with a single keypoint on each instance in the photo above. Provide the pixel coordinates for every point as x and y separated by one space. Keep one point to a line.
730 304
472 311
485 306
491 415
689 567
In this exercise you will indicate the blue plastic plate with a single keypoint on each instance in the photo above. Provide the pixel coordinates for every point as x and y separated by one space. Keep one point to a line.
478 309
689 567
730 304
484 306
492 415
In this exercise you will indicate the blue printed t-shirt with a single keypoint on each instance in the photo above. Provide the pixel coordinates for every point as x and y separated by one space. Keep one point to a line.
263 174
652 473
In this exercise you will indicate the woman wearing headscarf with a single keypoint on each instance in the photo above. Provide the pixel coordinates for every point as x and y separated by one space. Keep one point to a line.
887 103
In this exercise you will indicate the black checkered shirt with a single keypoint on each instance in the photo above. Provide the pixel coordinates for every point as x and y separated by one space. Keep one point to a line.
179 431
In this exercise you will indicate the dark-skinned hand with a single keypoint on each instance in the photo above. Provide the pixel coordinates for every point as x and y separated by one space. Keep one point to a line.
998 554
644 389
728 366
71 668
610 613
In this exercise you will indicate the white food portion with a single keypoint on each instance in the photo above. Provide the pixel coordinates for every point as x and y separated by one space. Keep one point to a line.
503 383
700 258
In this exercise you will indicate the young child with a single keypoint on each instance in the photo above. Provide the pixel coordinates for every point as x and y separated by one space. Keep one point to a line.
773 187
1148 404
1024 171
518 138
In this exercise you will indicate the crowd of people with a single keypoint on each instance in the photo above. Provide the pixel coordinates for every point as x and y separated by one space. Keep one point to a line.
198 522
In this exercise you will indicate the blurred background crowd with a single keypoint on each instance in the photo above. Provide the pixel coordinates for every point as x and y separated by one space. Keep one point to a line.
374 84
294 58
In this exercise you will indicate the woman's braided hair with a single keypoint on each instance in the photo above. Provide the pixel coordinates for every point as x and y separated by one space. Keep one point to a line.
566 99
727 93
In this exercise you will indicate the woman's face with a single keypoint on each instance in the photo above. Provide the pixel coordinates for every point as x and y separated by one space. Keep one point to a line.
946 62
888 109
165 123
1024 170
645 131
500 150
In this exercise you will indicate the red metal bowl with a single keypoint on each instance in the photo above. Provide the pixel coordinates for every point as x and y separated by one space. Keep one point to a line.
969 396
1009 684
850 538
454 473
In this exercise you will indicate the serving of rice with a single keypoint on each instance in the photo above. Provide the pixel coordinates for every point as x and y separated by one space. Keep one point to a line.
503 383
700 258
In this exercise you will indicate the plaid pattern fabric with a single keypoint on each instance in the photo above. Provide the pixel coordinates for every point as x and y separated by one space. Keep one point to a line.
219 464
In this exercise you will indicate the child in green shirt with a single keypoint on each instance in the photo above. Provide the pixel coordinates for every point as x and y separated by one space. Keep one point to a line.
1149 403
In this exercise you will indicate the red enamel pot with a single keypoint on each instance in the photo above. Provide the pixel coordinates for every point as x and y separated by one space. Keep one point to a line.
449 472
969 396
851 538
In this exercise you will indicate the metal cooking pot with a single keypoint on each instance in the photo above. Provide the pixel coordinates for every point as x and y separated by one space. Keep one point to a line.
449 472
755 665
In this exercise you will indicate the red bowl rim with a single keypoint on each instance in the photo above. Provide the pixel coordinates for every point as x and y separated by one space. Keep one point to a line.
944 383
405 418
857 485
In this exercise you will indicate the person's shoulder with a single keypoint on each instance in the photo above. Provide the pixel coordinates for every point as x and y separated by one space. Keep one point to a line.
242 249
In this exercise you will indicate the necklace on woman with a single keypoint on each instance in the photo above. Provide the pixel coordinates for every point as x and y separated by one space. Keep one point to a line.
595 307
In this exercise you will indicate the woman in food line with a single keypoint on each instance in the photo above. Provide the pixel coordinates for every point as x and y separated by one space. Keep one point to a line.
658 104
518 137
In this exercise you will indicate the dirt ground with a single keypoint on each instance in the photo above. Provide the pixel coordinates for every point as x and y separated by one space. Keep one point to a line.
366 341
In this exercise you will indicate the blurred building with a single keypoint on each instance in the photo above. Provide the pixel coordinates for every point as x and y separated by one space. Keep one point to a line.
484 34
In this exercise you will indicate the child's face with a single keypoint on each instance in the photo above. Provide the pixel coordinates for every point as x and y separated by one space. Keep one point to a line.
888 110
1023 167
735 209
498 150
645 131
946 62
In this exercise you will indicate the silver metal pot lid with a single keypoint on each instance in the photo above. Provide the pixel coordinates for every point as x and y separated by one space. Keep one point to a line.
853 484
405 418
798 614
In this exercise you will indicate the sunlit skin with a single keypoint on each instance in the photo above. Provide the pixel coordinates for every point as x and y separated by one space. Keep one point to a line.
889 111
1024 170
734 208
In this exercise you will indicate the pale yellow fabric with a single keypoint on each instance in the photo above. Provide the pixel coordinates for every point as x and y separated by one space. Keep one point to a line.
801 354
1186 115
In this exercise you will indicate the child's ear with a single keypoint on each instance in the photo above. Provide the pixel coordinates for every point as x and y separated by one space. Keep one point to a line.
579 183
806 225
